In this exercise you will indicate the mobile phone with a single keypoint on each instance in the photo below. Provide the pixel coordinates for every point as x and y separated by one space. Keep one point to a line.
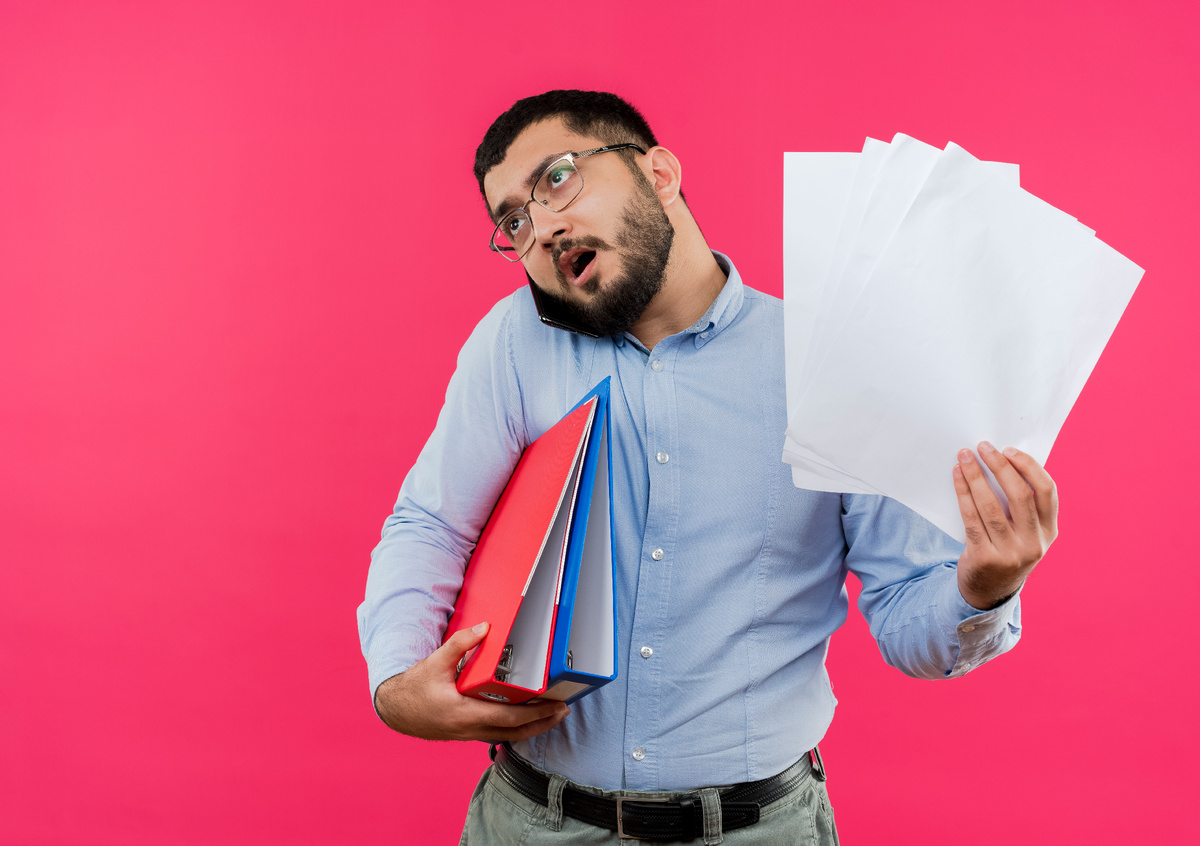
553 314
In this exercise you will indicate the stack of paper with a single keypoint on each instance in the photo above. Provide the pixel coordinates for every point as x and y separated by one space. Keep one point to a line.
931 303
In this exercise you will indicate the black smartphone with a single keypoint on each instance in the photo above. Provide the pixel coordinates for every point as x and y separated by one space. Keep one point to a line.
553 314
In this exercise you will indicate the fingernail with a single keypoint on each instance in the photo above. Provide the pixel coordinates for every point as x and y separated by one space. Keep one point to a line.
481 628
957 469
1010 452
965 456
984 446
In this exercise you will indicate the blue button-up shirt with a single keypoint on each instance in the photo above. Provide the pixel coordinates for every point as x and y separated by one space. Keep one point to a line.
730 580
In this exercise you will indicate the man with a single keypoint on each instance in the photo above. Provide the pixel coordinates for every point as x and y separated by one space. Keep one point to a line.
730 580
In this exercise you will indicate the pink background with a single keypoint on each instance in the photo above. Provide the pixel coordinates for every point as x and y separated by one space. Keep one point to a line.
240 245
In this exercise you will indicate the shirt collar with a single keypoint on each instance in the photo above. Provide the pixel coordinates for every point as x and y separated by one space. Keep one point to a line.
724 308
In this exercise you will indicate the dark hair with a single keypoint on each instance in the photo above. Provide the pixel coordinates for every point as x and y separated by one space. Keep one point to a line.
598 114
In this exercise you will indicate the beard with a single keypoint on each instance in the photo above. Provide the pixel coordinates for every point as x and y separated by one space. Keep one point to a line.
644 242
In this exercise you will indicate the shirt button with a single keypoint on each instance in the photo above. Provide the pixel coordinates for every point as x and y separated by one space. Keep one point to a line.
968 628
639 754
703 334
657 365
657 555
663 458
647 651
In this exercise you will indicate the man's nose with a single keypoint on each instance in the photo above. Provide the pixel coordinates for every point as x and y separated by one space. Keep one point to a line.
548 226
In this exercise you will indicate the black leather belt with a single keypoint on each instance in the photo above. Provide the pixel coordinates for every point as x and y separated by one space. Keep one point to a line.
651 819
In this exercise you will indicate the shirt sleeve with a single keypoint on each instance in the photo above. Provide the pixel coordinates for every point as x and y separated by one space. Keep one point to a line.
417 568
910 596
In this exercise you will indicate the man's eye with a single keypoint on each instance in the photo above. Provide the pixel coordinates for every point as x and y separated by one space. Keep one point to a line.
514 225
557 176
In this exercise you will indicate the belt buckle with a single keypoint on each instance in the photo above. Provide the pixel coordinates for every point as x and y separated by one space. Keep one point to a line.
621 800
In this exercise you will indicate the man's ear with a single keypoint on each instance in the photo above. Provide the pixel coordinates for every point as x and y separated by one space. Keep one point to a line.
666 174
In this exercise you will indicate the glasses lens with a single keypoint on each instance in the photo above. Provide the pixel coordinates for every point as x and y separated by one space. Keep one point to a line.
559 185
514 235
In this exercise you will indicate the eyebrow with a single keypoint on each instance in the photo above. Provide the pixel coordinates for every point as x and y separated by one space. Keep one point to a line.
510 202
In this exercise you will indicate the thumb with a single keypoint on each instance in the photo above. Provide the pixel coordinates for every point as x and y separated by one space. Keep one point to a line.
459 644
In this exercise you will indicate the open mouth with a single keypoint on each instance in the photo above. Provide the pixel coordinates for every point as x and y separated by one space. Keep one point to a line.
575 264
581 261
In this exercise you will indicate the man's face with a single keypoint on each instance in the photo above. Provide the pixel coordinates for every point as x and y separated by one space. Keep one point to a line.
603 257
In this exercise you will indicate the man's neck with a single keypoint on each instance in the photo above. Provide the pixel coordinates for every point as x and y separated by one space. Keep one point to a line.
693 281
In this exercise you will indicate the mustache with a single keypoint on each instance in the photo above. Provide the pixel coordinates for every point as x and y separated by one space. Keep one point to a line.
587 242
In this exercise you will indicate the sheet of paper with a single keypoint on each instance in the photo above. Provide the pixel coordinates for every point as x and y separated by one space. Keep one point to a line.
873 154
900 178
901 173
817 189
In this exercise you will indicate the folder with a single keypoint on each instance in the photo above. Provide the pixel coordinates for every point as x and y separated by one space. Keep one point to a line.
542 571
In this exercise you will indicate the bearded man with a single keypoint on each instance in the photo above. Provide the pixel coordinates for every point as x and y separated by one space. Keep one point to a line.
729 579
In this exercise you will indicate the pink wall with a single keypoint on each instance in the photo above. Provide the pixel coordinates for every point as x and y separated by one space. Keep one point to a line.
240 246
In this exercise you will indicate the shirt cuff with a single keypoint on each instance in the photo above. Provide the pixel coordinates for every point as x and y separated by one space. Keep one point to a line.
982 635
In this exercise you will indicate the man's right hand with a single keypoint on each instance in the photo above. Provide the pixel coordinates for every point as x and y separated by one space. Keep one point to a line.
423 701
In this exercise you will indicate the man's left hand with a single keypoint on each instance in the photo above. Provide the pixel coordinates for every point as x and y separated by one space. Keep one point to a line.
1001 549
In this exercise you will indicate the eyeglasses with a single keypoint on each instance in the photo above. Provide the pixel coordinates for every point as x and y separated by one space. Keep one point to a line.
555 189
